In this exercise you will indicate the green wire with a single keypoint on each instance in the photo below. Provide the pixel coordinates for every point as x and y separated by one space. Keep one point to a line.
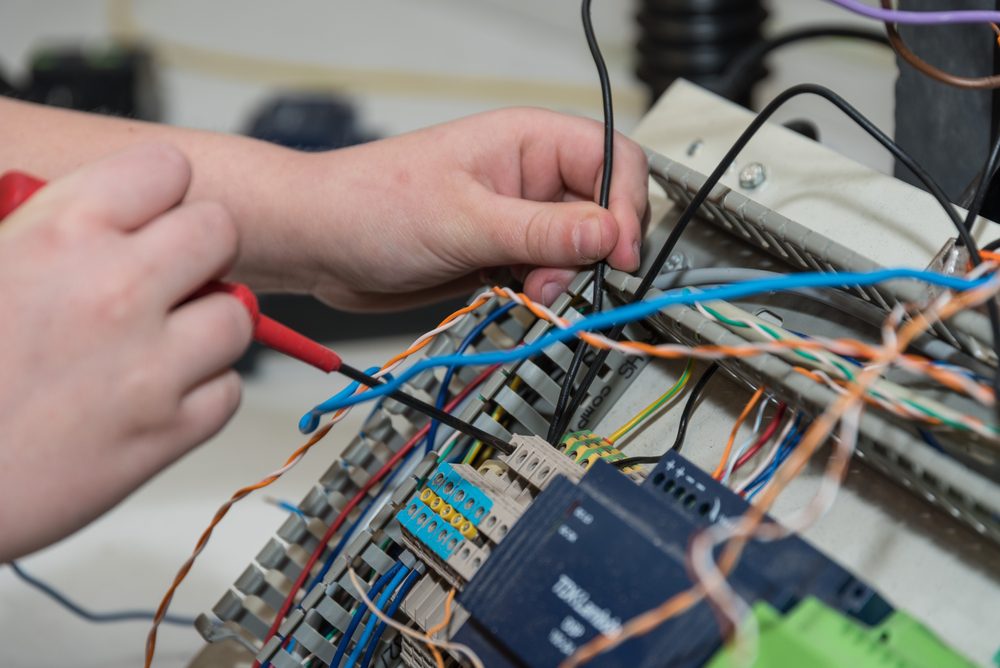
657 405
777 337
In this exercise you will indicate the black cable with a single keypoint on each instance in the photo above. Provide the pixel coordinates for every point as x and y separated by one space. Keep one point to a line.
682 426
431 411
559 414
90 616
712 181
742 68
992 246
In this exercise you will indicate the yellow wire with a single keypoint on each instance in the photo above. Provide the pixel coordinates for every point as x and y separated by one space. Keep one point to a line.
648 410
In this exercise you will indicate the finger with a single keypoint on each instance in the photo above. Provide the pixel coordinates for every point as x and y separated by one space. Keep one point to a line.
547 234
573 150
185 248
122 191
364 302
202 413
625 255
546 284
205 337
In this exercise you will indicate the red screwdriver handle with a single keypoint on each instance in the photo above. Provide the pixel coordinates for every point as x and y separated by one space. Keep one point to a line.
276 336
17 187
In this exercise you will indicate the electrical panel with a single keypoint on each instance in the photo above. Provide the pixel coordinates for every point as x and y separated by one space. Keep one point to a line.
538 551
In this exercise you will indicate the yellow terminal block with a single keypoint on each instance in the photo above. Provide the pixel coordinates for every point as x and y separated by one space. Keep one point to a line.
467 530
449 514
586 447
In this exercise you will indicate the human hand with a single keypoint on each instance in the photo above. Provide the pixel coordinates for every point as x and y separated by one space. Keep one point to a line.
423 213
110 373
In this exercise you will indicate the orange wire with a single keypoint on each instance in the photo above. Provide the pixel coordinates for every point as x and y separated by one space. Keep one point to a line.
223 510
814 437
720 469
860 349
990 255
871 401
439 626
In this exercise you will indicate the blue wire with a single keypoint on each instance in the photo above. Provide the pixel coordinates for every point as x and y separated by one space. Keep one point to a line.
404 590
360 612
350 531
352 659
90 616
930 440
328 563
309 421
784 450
442 397
640 310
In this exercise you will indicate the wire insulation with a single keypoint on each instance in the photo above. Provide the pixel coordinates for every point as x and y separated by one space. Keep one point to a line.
919 18
90 615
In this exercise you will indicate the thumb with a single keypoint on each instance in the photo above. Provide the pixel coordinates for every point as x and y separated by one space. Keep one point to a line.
546 234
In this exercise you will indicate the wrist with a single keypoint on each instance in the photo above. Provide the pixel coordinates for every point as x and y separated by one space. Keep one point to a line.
290 210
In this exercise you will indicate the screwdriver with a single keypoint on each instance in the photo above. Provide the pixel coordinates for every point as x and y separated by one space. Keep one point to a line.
16 187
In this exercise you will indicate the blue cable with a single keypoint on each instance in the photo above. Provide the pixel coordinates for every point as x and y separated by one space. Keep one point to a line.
442 397
640 310
404 590
383 601
89 615
360 612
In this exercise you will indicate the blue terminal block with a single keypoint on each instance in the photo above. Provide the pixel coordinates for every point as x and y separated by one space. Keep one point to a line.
462 495
430 528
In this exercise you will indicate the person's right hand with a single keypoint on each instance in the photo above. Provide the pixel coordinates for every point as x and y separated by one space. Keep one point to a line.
109 372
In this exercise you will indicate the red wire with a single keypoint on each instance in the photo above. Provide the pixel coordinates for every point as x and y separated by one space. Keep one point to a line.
386 468
768 434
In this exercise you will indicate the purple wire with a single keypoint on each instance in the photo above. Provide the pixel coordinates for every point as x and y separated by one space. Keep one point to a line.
918 18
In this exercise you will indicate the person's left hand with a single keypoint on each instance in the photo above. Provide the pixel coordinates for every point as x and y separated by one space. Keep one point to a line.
417 217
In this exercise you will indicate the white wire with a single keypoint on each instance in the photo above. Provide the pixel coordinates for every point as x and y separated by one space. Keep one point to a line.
789 423
416 635
745 445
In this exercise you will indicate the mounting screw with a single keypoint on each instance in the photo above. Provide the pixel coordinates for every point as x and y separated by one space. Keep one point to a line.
676 262
752 176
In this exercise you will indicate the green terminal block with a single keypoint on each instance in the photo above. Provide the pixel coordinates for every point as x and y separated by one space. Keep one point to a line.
817 636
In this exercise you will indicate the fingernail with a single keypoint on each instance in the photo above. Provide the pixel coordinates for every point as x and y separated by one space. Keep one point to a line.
636 255
551 292
587 240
